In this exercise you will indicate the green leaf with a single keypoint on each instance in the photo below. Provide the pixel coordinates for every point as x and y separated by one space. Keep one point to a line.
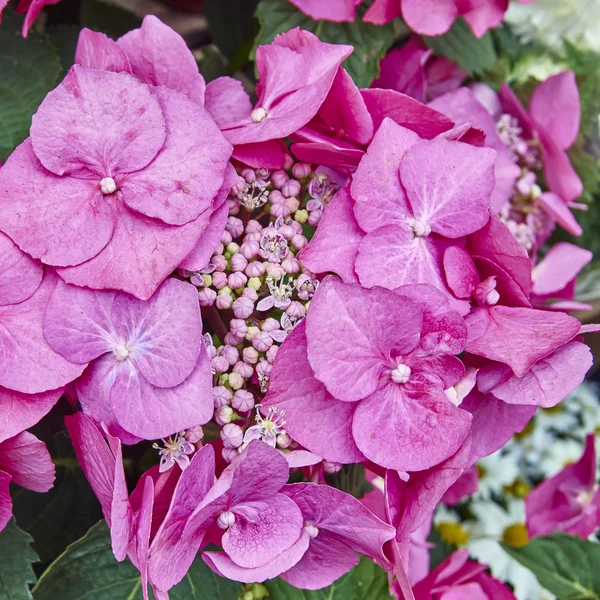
66 512
28 71
88 569
64 38
108 18
16 557
370 41
366 581
460 45
565 565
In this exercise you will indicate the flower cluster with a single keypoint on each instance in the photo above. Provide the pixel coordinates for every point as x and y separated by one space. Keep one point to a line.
371 294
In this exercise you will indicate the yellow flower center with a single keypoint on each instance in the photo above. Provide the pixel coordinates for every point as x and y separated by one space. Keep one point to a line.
518 488
515 535
452 533
526 430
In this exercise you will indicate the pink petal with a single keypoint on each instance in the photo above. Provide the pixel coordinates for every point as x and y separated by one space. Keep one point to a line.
512 105
186 175
448 185
21 411
555 108
429 17
97 51
560 265
159 56
466 485
5 500
262 155
166 332
27 460
222 565
140 255
262 530
335 10
487 15
228 102
349 352
79 129
20 275
461 273
326 560
376 188
392 256
33 8
405 434
28 364
334 246
382 12
342 159
42 211
562 178
518 337
313 417
405 111
549 380
142 533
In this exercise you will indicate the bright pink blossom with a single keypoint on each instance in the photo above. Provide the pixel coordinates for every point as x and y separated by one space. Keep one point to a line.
371 373
107 197
32 8
149 374
24 460
458 577
569 501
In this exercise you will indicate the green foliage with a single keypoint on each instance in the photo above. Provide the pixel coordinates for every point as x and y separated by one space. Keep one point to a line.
370 42
64 38
28 71
565 565
366 581
111 19
16 557
441 549
88 569
476 55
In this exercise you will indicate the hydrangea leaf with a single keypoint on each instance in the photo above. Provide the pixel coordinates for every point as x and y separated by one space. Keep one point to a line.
461 46
370 41
109 18
16 557
565 565
88 569
29 69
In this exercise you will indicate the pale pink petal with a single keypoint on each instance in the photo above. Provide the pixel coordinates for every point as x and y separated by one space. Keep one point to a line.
376 188
353 333
27 460
313 417
27 363
262 155
382 11
262 530
297 459
550 380
333 10
33 9
165 332
97 51
559 266
209 240
429 17
81 130
20 275
448 185
487 97
227 102
142 533
560 212
518 337
484 16
334 246
159 56
405 111
42 212
512 105
461 273
183 179
562 178
554 106
221 564
21 411
404 434
140 255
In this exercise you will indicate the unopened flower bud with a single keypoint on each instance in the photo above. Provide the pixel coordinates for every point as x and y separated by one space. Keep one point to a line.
223 301
314 217
271 353
229 454
194 434
238 327
232 435
270 324
207 297
232 339
274 271
237 281
283 440
230 353
219 364
243 400
219 279
312 531
226 238
249 249
290 265
243 307
250 293
301 170
235 226
280 210
236 381
279 178
250 355
254 283
288 162
238 262
259 114
299 241
262 341
252 331
300 216
292 203
331 467
226 519
221 396
223 415
291 188
244 369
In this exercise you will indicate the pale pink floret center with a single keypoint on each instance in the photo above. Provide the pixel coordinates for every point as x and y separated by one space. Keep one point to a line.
259 115
121 351
401 374
108 185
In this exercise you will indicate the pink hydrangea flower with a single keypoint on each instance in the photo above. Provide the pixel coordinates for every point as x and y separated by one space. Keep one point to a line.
149 374
24 460
458 577
107 198
369 369
32 8
569 501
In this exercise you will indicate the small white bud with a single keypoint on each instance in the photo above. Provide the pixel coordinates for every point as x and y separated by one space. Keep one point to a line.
108 185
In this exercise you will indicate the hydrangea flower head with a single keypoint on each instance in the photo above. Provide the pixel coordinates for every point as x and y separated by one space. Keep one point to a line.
149 373
107 198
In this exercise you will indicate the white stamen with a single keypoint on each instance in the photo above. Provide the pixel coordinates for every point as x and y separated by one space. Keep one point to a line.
312 531
108 185
492 298
226 519
401 373
259 115
421 228
121 352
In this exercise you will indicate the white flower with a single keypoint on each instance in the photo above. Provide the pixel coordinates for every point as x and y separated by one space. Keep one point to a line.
558 455
496 471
